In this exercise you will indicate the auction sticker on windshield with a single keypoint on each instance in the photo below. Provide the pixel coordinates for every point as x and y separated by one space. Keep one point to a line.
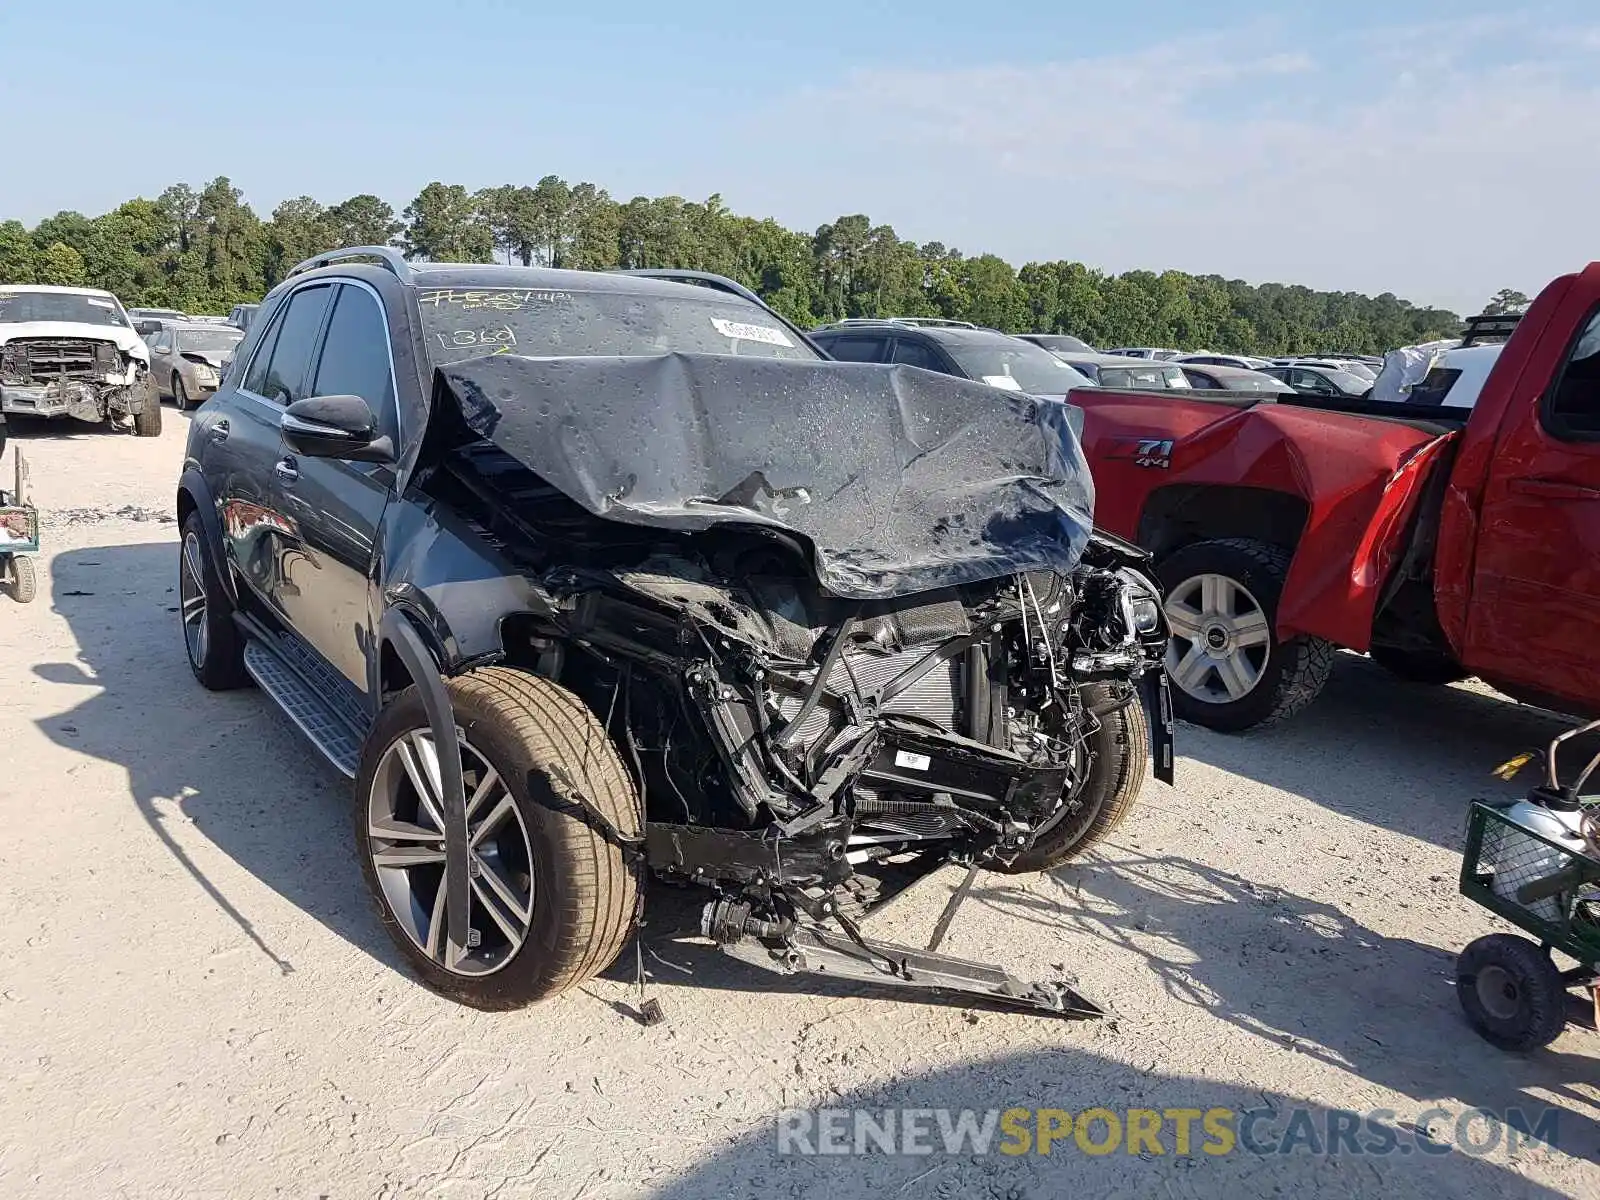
742 332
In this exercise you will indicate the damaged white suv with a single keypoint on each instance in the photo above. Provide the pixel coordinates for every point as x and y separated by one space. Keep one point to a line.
72 352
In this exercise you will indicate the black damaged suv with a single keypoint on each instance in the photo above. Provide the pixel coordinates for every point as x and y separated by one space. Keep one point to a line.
579 575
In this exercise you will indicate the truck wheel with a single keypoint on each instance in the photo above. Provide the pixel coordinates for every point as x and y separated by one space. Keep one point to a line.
1511 992
147 421
1229 670
211 639
1119 755
24 582
1418 666
553 901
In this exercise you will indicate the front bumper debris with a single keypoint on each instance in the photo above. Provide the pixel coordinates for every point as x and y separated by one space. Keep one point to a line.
91 402
806 948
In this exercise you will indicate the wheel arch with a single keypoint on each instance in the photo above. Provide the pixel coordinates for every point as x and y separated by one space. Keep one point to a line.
194 496
1182 514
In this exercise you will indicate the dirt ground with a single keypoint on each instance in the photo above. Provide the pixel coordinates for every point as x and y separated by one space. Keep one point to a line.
196 998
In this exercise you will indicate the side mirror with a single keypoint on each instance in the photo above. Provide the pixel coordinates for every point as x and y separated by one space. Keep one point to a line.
334 427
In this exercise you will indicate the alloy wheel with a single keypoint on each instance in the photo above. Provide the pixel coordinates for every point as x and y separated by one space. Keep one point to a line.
192 599
405 836
1220 638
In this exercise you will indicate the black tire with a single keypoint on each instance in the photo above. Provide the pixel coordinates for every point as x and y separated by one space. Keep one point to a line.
1119 757
23 584
1511 992
180 394
1294 672
544 744
147 421
217 658
1413 666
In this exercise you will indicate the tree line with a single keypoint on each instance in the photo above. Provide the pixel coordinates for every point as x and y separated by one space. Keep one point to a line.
205 250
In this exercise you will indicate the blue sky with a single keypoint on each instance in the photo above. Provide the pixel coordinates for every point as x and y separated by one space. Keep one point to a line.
1437 150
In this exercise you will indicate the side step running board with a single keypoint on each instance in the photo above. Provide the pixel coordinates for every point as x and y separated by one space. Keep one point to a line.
815 950
328 732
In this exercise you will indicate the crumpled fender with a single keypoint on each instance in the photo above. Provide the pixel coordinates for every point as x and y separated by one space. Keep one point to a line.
1362 486
1350 471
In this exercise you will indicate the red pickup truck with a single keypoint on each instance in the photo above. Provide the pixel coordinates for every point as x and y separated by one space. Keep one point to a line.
1443 543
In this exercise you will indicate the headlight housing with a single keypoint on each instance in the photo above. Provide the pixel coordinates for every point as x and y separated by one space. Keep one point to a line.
1146 613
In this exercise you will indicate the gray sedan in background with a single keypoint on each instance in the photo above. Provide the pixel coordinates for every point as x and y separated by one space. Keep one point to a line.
187 360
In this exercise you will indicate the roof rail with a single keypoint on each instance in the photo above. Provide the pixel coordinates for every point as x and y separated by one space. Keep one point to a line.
1489 327
387 256
912 321
702 278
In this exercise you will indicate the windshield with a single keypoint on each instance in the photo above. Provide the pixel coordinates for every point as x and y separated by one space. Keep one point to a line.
1350 385
463 323
209 341
1253 382
16 307
1157 376
1058 342
1016 365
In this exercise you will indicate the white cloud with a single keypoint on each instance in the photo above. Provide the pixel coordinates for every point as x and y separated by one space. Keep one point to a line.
1438 162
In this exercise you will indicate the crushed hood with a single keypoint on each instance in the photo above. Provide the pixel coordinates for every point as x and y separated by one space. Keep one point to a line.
126 339
900 479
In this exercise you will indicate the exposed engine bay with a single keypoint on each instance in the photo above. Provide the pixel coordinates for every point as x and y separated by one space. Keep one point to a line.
806 753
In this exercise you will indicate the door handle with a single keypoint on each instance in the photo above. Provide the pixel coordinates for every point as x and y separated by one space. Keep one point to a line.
1554 489
287 471
219 431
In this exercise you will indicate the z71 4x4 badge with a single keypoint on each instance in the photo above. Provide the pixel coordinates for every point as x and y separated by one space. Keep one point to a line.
1144 452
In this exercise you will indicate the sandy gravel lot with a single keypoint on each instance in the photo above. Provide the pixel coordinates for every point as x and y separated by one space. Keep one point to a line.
196 998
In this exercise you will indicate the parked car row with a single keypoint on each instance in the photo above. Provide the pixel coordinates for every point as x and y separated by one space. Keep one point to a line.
917 341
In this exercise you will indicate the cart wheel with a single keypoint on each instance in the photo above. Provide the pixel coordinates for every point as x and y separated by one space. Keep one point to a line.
24 584
1511 992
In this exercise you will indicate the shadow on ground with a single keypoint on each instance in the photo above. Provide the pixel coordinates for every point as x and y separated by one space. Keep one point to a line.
1345 751
1284 967
1076 1080
229 763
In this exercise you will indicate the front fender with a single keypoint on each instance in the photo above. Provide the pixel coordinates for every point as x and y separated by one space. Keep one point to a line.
456 589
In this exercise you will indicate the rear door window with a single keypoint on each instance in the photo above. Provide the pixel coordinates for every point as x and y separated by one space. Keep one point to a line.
1435 386
855 349
915 354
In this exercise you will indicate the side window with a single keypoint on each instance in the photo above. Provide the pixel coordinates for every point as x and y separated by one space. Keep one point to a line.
1314 384
158 340
257 377
1573 408
355 355
283 381
915 354
856 349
